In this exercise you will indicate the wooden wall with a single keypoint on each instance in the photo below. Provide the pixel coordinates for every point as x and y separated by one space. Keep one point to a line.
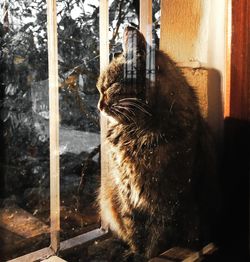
239 86
215 35
193 34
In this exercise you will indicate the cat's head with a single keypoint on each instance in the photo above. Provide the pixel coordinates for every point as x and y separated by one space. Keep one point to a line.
122 85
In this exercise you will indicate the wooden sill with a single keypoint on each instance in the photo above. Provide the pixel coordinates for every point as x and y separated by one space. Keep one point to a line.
54 259
185 255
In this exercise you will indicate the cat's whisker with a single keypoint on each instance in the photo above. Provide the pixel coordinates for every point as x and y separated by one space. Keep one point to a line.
125 108
133 99
132 131
129 110
128 98
127 103
115 113
171 107
122 114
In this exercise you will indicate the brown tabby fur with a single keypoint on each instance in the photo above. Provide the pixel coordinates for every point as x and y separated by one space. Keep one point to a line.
159 187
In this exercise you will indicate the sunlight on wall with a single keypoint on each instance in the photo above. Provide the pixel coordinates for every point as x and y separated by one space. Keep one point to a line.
193 34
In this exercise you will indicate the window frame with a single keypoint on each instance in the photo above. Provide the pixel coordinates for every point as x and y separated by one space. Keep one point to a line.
237 93
232 106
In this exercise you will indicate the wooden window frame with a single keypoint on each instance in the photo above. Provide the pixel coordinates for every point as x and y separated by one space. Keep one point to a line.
237 93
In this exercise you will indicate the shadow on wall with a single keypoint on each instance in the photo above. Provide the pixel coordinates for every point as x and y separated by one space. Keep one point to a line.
214 102
233 141
234 181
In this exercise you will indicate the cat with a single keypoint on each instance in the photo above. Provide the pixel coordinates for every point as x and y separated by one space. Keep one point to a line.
159 190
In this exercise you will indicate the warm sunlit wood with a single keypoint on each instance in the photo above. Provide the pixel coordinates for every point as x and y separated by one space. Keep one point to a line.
185 255
239 88
180 28
54 259
104 28
35 256
83 240
54 124
187 35
65 246
146 19
228 58
176 38
104 61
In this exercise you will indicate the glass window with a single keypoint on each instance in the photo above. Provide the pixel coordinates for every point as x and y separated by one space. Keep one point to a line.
24 162
78 50
25 114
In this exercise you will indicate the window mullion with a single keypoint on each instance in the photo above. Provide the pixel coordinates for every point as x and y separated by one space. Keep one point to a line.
146 19
104 61
54 124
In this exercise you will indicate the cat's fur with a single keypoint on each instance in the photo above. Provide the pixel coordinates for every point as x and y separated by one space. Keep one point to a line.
159 187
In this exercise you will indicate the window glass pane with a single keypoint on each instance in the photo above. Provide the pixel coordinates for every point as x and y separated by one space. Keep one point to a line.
121 14
80 171
24 162
78 40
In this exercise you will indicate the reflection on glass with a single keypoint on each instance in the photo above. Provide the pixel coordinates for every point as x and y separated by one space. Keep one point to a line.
24 137
78 38
24 162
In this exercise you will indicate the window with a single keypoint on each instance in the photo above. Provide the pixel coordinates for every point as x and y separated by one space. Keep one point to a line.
50 121
50 163
41 210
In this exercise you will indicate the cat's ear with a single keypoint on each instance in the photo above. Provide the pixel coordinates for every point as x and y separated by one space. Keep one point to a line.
133 40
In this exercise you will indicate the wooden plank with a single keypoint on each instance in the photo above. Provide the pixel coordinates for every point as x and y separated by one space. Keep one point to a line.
180 28
198 79
178 254
228 58
146 28
21 222
206 84
65 246
104 61
181 37
146 19
104 29
54 259
240 61
35 256
209 249
54 124
82 240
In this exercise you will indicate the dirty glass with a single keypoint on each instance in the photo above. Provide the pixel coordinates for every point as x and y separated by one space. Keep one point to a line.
24 119
79 117
79 68
24 116
78 51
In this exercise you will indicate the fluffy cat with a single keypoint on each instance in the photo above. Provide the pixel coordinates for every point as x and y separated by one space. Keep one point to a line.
158 192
